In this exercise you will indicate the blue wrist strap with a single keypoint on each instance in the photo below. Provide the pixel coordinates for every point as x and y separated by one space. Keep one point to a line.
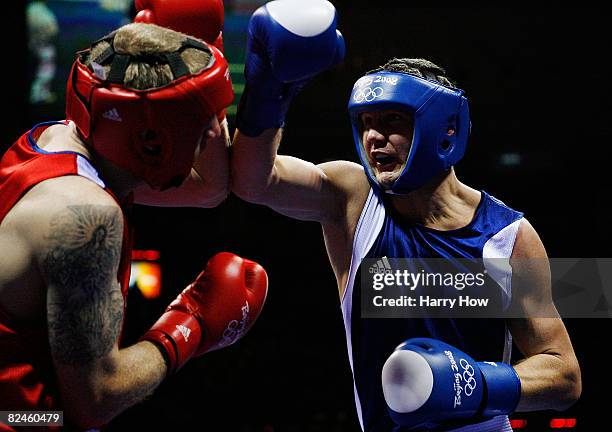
503 388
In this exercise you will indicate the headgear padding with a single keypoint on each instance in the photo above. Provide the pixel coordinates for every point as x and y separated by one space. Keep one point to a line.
436 110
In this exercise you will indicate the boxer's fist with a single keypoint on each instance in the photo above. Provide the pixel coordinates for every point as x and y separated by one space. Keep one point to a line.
216 310
427 382
289 42
202 19
293 39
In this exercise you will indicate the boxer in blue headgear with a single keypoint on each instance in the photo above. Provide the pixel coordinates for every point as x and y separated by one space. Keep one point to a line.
440 117
410 127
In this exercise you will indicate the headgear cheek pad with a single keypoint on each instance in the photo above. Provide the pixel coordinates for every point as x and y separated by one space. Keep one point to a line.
153 134
441 123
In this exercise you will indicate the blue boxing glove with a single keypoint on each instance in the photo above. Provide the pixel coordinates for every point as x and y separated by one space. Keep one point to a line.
427 383
289 42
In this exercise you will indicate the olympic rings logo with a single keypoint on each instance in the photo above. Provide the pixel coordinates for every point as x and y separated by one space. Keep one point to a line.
468 377
368 94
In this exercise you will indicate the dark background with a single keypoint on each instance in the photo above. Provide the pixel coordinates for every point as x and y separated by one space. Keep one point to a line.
539 91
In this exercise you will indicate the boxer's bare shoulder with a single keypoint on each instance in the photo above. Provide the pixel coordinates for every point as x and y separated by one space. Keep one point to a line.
35 215
60 214
352 185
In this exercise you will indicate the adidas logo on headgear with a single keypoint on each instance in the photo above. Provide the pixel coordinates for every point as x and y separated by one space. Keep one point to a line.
112 114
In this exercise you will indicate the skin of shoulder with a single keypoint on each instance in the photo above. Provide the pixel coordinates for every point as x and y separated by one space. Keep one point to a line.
33 215
529 261
352 189
56 211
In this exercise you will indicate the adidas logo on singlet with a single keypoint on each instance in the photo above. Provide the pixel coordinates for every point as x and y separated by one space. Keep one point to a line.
112 114
185 331
381 266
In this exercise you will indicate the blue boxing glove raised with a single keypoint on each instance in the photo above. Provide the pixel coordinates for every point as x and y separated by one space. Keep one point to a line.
289 42
427 383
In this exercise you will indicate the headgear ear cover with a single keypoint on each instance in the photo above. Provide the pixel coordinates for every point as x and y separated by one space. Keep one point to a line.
153 134
436 110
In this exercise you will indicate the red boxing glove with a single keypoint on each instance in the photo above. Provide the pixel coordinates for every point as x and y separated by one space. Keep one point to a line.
216 310
202 19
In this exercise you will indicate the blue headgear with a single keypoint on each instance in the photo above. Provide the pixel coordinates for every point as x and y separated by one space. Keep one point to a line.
435 109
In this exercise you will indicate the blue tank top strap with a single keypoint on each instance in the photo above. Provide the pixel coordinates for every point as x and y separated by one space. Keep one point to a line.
85 167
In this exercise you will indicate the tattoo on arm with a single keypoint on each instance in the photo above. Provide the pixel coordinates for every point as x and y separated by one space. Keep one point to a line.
85 304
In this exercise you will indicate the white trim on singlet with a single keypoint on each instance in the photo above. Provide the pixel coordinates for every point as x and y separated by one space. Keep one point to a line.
368 227
496 258
86 169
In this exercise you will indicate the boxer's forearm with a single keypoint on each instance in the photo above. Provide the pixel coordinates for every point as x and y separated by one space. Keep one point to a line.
252 163
140 369
290 186
212 169
548 381
119 381
194 192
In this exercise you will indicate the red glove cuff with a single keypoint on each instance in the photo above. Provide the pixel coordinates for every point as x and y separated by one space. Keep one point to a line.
178 335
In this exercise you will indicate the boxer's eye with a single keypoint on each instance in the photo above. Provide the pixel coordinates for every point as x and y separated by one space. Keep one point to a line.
396 118
366 121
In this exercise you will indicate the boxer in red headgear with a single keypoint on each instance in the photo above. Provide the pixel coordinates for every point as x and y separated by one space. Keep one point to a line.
202 19
142 105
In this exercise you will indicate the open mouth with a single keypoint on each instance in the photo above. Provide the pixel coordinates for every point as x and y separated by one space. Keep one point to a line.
384 162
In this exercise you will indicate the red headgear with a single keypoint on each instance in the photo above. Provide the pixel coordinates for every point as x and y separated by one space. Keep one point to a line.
153 134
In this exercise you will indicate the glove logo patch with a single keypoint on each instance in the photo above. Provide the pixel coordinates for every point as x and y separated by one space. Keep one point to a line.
235 329
185 331
464 381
